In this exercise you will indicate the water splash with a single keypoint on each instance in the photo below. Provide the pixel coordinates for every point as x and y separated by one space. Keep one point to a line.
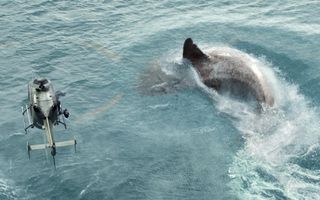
277 140
269 164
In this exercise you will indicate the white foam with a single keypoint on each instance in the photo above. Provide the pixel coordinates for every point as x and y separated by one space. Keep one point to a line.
272 140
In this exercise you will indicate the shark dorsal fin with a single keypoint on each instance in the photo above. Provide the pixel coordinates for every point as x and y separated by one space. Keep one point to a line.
192 52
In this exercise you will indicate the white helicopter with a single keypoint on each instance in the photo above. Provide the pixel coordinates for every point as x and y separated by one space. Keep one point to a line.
44 111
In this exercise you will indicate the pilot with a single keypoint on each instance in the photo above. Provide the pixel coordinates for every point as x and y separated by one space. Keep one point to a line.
41 85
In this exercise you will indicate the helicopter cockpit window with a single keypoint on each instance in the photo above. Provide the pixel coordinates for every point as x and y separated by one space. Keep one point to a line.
43 81
42 84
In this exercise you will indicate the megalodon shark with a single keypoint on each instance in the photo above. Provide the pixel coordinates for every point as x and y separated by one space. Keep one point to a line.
225 72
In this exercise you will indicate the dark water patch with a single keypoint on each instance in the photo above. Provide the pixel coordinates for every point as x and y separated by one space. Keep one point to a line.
311 87
293 67
307 179
6 3
310 161
38 13
267 177
274 194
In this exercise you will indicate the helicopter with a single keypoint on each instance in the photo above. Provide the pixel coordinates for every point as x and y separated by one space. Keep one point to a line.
44 111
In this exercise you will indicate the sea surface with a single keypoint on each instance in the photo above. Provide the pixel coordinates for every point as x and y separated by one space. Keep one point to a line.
146 127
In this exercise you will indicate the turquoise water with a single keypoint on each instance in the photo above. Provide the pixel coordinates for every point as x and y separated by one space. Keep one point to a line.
186 143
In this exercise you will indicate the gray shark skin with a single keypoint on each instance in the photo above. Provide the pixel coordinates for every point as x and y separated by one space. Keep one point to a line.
228 73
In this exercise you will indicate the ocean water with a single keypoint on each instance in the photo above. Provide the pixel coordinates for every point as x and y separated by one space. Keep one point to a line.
182 141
